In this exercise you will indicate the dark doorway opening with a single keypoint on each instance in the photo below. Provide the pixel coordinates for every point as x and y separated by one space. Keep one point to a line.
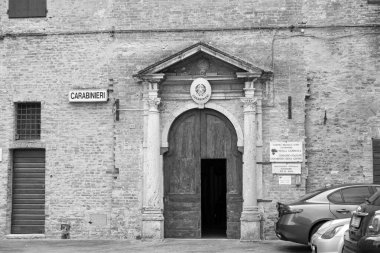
213 188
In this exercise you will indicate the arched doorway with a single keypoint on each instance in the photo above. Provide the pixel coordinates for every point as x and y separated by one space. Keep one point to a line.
202 177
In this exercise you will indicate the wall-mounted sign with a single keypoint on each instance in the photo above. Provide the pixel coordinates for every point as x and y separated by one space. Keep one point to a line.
286 151
88 95
286 168
285 180
200 91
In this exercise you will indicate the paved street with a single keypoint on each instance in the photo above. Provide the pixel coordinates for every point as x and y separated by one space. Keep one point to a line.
168 245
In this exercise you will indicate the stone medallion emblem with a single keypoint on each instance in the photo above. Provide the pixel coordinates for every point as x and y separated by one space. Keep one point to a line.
200 91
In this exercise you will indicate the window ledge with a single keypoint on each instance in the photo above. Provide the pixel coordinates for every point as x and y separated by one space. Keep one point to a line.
27 144
25 236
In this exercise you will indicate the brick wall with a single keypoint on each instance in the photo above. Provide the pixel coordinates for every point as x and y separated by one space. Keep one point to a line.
92 15
337 67
344 84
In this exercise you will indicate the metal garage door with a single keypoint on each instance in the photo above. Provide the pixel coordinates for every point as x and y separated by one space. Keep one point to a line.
28 192
376 161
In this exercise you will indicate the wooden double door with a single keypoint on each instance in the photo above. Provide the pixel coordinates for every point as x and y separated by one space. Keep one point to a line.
202 177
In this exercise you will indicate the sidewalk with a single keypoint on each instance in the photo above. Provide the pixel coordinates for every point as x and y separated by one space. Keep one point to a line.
168 245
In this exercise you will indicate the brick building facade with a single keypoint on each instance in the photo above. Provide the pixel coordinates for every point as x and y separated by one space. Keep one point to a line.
280 71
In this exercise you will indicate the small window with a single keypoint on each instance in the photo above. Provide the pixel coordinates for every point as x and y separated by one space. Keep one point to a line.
356 195
27 8
28 126
336 197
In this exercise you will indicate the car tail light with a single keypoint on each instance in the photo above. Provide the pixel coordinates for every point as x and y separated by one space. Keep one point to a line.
374 225
331 232
294 210
285 209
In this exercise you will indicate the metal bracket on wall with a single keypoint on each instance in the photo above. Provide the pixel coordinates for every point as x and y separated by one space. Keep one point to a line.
266 163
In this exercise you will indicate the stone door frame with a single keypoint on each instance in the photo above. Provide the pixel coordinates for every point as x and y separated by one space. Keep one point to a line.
156 141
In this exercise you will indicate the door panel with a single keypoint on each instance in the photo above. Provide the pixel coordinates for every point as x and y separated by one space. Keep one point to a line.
195 135
182 178
217 142
220 142
234 209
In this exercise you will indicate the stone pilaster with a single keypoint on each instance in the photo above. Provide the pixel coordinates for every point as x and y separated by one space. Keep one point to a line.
152 216
250 217
259 144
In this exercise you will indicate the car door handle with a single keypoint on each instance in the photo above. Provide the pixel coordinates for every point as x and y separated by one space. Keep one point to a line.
343 211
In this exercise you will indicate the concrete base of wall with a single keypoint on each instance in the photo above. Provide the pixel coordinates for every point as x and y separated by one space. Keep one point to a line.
25 236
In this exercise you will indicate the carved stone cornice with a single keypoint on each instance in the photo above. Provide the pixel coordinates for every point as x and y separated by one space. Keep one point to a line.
152 78
249 76
250 104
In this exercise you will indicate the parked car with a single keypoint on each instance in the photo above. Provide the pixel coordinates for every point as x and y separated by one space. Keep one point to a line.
298 221
329 238
363 235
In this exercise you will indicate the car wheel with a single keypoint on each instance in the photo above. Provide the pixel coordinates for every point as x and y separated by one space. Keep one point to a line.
315 229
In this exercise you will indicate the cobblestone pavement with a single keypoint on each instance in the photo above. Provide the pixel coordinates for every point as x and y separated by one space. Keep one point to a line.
168 245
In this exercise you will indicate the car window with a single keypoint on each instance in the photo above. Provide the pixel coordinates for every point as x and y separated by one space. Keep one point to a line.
310 195
355 195
376 202
374 197
336 197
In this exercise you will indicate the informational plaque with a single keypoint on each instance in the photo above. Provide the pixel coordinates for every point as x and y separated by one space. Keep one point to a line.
286 168
285 180
286 151
88 95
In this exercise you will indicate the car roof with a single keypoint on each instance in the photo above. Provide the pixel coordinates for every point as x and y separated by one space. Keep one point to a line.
322 193
345 185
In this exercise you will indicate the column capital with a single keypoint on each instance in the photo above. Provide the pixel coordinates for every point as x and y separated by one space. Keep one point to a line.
153 103
152 81
249 104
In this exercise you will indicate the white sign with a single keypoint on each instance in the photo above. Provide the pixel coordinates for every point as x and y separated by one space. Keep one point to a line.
1 154
286 152
200 91
286 168
285 180
88 95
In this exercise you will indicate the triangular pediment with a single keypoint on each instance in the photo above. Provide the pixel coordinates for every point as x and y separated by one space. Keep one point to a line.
201 59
